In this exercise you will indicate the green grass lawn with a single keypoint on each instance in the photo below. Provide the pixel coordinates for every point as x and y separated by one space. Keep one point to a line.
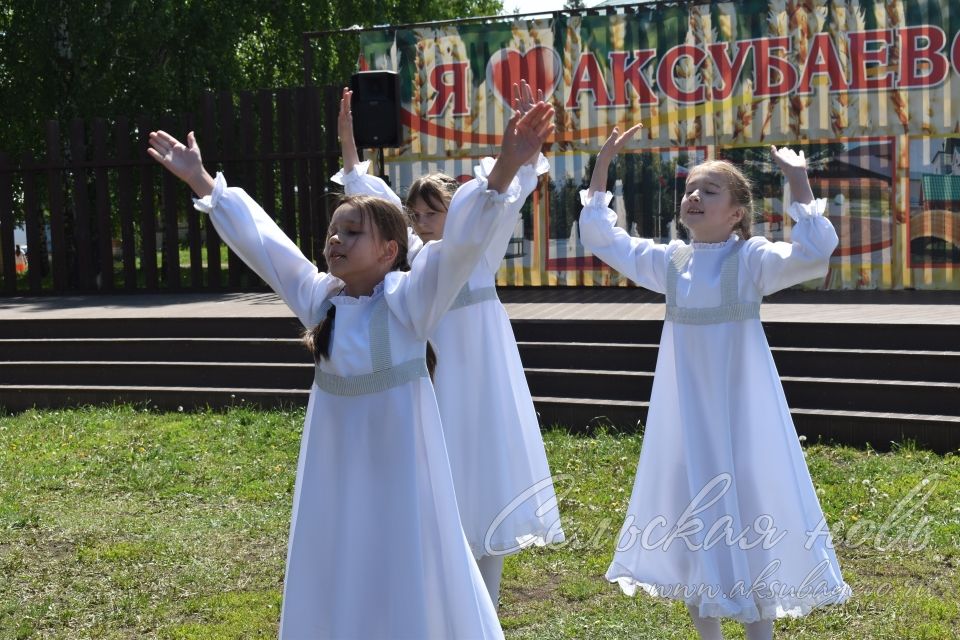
122 523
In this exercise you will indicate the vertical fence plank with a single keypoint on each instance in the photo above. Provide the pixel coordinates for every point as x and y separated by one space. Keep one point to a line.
36 241
193 228
317 178
125 203
148 216
303 171
331 154
287 200
81 206
248 165
267 175
248 145
171 194
55 184
229 149
104 219
6 225
213 238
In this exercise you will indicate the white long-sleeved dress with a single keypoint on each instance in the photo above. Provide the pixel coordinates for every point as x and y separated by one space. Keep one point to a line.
504 487
376 547
721 466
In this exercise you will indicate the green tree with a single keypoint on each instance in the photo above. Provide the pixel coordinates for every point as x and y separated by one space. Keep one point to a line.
63 59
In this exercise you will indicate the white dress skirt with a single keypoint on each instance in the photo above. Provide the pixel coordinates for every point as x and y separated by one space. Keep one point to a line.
376 547
723 514
504 487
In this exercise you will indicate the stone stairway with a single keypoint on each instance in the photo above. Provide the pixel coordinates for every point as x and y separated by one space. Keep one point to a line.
853 383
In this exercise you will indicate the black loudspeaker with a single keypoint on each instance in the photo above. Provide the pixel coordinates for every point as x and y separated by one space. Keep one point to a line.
376 109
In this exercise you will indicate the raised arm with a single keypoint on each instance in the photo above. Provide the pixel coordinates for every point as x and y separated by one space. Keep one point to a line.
528 177
778 265
794 168
611 149
248 230
353 176
182 160
642 260
348 146
477 210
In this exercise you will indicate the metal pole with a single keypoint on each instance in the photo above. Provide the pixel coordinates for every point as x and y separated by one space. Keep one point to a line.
659 207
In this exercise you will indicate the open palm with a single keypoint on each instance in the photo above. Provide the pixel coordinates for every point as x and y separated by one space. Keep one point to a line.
182 160
616 142
525 135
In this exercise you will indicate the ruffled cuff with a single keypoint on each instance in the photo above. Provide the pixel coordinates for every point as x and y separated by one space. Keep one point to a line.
539 168
599 200
813 209
206 204
359 169
482 171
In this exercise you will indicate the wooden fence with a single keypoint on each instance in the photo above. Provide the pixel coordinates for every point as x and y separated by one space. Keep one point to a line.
100 215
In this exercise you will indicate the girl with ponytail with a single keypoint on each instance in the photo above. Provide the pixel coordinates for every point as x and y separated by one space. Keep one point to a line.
504 488
376 549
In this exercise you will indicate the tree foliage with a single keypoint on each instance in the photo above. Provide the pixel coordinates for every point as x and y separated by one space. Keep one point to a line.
63 59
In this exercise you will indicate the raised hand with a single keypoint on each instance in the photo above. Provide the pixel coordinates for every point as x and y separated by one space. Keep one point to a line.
525 134
610 149
523 102
794 168
182 160
524 137
523 97
348 147
615 142
788 159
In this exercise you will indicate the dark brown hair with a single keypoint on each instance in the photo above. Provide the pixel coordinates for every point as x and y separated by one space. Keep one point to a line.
388 223
436 189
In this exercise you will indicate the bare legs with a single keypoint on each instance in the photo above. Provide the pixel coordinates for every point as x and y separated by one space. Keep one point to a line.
491 568
709 628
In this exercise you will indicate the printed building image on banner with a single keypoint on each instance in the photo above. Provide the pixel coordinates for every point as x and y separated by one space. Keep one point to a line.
856 178
869 88
934 219
647 187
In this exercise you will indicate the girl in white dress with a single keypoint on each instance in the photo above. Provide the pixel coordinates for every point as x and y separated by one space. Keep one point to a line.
504 488
723 513
376 548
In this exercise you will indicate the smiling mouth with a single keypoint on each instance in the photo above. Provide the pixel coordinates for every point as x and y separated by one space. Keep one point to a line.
694 212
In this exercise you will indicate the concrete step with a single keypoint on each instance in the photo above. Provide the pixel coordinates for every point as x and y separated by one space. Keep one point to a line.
239 327
227 375
16 398
837 335
582 415
847 394
287 350
932 366
856 428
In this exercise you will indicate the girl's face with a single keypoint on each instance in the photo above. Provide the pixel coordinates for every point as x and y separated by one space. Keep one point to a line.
428 219
354 251
707 208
